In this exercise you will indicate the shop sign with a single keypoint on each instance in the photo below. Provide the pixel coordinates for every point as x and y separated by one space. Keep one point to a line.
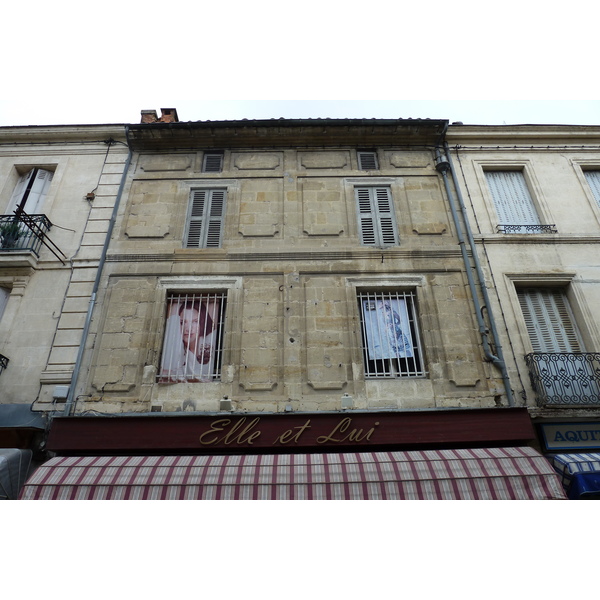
571 436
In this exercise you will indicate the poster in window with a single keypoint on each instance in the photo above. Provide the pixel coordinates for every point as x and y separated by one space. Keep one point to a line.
387 329
191 338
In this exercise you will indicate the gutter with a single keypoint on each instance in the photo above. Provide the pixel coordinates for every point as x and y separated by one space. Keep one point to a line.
444 165
70 402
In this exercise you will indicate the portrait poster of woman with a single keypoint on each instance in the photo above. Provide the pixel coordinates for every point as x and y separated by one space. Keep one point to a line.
387 329
191 338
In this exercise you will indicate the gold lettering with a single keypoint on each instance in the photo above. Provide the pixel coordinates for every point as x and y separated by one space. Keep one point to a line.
289 435
340 427
213 428
239 439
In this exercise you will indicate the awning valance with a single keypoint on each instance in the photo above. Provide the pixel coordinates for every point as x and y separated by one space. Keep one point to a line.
490 473
580 474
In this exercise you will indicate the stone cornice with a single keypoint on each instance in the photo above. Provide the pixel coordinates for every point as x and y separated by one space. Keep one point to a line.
61 134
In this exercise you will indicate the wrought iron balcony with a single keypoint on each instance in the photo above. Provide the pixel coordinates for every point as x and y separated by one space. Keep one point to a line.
3 363
527 229
565 378
17 235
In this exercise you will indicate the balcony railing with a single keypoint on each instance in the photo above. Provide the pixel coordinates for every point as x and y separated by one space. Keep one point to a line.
3 363
527 229
16 236
565 378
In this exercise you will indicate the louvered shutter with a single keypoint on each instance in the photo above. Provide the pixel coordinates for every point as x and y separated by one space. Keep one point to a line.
512 200
593 178
376 216
367 161
213 163
34 185
205 224
549 321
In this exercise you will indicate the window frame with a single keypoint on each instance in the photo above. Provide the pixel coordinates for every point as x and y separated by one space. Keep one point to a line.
533 186
404 303
26 180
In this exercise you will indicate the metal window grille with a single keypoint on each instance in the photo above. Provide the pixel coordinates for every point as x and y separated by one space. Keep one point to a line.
367 161
212 163
391 341
193 341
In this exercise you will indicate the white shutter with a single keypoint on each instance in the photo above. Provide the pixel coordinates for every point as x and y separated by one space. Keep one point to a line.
512 199
205 222
34 185
376 216
593 178
549 320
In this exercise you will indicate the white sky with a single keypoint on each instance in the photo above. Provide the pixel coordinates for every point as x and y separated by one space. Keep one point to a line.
445 60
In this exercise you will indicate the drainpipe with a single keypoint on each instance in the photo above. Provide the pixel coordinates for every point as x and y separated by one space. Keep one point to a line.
444 165
70 402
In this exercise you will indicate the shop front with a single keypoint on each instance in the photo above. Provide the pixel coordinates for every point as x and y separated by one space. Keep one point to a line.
437 454
573 449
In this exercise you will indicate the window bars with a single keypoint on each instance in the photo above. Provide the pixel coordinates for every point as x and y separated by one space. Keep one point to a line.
193 342
391 342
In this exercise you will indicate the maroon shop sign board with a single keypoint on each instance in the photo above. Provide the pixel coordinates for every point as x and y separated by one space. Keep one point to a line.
232 433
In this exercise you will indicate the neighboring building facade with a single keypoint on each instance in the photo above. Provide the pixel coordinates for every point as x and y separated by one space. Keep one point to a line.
57 190
295 291
532 194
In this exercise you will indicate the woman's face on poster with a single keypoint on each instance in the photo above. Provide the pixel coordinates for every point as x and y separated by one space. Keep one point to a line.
190 327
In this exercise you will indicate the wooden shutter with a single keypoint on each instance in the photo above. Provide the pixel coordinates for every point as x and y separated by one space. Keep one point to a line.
367 161
550 323
593 178
205 223
30 191
213 163
376 216
512 199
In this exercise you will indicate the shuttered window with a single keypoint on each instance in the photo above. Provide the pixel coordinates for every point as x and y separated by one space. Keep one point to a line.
205 219
30 191
512 200
550 323
212 163
367 160
593 178
376 219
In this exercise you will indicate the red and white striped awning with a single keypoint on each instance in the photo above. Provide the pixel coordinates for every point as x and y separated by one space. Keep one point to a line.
467 474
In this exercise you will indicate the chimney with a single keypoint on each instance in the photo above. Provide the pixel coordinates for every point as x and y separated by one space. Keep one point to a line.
169 115
149 116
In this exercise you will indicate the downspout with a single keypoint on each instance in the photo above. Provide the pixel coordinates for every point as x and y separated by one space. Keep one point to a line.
69 404
443 165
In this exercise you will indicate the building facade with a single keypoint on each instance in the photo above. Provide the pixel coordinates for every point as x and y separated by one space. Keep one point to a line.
290 309
532 194
57 191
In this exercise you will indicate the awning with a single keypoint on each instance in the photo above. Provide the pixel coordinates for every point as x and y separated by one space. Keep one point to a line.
493 473
580 474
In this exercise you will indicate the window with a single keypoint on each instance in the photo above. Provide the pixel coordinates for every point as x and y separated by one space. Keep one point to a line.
391 342
193 343
593 178
212 163
561 371
367 160
205 219
377 223
514 205
30 191
4 296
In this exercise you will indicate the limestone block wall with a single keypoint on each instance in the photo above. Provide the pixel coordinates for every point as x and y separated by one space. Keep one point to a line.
291 264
